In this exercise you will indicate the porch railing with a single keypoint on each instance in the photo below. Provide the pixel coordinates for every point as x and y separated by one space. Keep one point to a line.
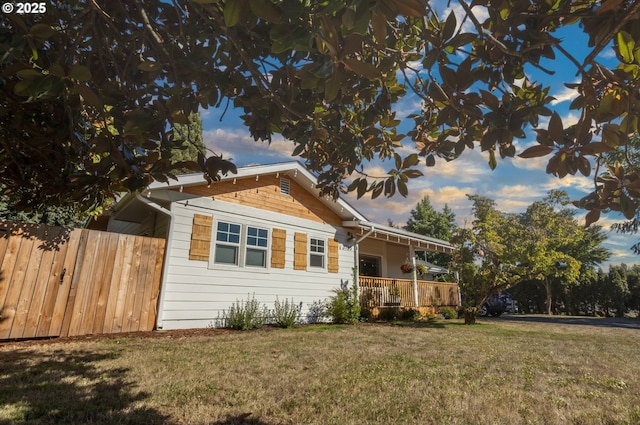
388 292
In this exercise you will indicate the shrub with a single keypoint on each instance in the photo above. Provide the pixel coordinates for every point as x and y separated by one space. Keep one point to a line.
245 314
389 314
317 311
344 306
448 312
285 314
410 314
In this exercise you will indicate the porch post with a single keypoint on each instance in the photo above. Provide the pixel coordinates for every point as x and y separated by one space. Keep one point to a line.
414 279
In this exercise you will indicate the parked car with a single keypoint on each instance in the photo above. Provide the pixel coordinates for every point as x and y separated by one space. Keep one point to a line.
498 303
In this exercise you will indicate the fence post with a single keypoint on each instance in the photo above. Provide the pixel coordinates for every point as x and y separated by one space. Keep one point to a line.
414 281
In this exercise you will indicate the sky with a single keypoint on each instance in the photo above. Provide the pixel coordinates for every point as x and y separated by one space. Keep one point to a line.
514 184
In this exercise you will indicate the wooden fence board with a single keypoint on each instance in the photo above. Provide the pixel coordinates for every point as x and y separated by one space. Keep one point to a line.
131 284
106 282
115 276
32 263
54 285
14 284
151 293
41 264
121 299
59 282
65 280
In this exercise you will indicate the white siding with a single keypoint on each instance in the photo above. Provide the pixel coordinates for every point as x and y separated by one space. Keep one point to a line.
195 293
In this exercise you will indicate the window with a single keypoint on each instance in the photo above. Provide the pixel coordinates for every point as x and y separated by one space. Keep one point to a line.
316 253
420 255
257 240
370 266
227 243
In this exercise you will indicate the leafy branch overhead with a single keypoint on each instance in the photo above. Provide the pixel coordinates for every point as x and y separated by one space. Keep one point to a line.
92 90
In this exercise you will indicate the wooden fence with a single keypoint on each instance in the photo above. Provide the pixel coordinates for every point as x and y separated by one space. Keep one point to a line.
62 282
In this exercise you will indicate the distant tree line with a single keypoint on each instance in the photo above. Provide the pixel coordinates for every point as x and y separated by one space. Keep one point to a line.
596 293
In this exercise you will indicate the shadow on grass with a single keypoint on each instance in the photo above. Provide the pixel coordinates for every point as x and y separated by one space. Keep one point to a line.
61 387
421 324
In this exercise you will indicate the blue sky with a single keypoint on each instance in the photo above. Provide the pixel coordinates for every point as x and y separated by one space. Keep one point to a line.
514 184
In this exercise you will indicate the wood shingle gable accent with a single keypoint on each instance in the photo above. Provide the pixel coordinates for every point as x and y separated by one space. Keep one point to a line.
201 237
278 248
332 263
300 251
265 194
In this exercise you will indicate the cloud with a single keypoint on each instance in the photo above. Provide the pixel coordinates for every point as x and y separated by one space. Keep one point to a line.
564 95
578 183
238 144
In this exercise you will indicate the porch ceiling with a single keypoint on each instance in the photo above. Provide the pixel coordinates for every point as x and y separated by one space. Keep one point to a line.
399 236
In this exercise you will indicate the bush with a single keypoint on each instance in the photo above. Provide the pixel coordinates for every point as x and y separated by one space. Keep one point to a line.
389 314
448 312
245 314
344 306
410 314
317 312
285 314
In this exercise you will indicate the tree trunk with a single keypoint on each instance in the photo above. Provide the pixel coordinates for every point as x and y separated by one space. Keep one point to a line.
470 315
547 287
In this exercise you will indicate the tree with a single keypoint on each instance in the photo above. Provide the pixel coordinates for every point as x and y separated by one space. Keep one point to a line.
91 90
487 254
425 220
543 245
550 234
192 145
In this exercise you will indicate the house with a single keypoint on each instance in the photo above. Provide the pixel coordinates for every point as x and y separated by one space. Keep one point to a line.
265 231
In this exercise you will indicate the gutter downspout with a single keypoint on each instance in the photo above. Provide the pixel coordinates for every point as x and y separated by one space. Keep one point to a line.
167 249
356 258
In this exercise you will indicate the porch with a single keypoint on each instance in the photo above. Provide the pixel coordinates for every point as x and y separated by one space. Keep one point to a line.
392 292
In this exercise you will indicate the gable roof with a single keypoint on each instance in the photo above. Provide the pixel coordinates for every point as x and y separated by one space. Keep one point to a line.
350 216
292 169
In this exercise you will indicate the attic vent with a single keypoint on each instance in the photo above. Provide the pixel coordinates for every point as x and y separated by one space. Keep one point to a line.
285 186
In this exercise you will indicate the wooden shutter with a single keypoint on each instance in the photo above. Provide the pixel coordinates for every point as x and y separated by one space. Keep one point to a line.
278 247
300 251
201 237
332 265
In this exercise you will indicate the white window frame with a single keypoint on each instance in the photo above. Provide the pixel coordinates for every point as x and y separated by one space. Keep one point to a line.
312 253
237 246
264 249
241 247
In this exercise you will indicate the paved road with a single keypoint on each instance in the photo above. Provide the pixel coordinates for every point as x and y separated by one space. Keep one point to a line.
610 322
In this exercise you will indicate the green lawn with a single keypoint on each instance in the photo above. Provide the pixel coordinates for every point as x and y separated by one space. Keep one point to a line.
497 372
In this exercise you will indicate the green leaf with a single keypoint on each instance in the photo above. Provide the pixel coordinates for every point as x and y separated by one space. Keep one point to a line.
431 161
364 69
410 161
536 151
402 188
332 87
555 129
266 11
377 190
449 26
88 95
626 46
233 10
611 135
42 31
627 206
493 163
80 73
412 174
